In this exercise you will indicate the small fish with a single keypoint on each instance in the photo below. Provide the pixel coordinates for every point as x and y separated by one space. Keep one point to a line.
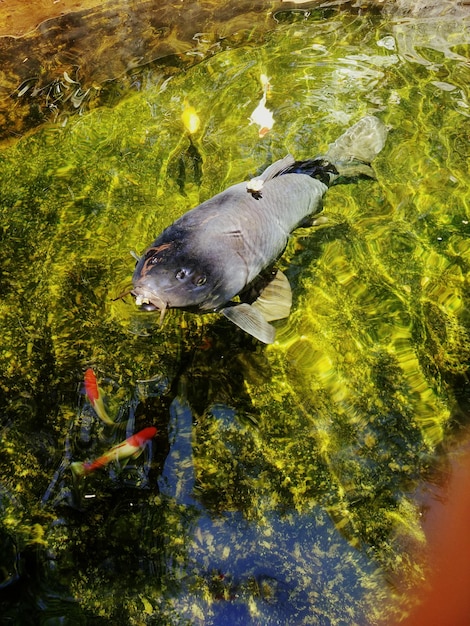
190 119
130 447
95 396
226 247
262 116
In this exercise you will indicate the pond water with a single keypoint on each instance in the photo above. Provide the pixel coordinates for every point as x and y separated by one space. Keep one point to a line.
287 484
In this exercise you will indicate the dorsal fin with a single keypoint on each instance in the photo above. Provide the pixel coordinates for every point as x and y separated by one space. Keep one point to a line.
255 185
277 167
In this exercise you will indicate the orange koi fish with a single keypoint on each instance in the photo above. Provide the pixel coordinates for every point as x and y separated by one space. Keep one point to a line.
130 447
95 396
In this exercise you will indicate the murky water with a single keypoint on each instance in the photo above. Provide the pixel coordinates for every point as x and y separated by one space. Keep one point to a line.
281 487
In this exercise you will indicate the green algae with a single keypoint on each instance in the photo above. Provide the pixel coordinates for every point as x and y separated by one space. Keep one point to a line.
280 485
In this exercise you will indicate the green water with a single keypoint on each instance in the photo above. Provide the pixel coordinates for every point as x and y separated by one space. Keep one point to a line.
280 488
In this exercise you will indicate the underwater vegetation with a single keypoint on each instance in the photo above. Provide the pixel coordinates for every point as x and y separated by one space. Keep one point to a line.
282 483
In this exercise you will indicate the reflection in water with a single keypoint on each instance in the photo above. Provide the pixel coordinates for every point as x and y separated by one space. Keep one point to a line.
280 487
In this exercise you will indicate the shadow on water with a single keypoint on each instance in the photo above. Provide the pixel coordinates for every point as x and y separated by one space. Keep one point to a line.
283 485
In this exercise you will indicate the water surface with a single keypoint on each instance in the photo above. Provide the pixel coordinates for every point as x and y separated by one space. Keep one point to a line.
283 485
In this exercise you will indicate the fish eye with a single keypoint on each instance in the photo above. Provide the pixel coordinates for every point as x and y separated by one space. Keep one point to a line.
181 274
200 280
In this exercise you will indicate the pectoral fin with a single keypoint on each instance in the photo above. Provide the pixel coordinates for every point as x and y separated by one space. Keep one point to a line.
251 321
275 300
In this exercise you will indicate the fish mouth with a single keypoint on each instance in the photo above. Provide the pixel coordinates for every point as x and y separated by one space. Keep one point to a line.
149 301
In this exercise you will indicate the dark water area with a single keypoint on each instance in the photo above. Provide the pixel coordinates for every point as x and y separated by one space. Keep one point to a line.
296 483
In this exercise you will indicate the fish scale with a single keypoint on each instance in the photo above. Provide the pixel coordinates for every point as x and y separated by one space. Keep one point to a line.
266 223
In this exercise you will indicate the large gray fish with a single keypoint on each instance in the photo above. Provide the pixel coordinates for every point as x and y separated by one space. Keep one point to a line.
226 246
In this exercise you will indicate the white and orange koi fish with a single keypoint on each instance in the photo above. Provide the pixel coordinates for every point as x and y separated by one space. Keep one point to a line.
262 116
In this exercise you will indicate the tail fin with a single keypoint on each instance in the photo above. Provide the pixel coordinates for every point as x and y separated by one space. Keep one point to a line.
352 153
348 157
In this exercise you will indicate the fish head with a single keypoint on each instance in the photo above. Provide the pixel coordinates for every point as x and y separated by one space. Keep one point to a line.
165 277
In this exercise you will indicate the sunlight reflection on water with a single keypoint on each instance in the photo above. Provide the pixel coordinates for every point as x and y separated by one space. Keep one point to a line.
279 487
